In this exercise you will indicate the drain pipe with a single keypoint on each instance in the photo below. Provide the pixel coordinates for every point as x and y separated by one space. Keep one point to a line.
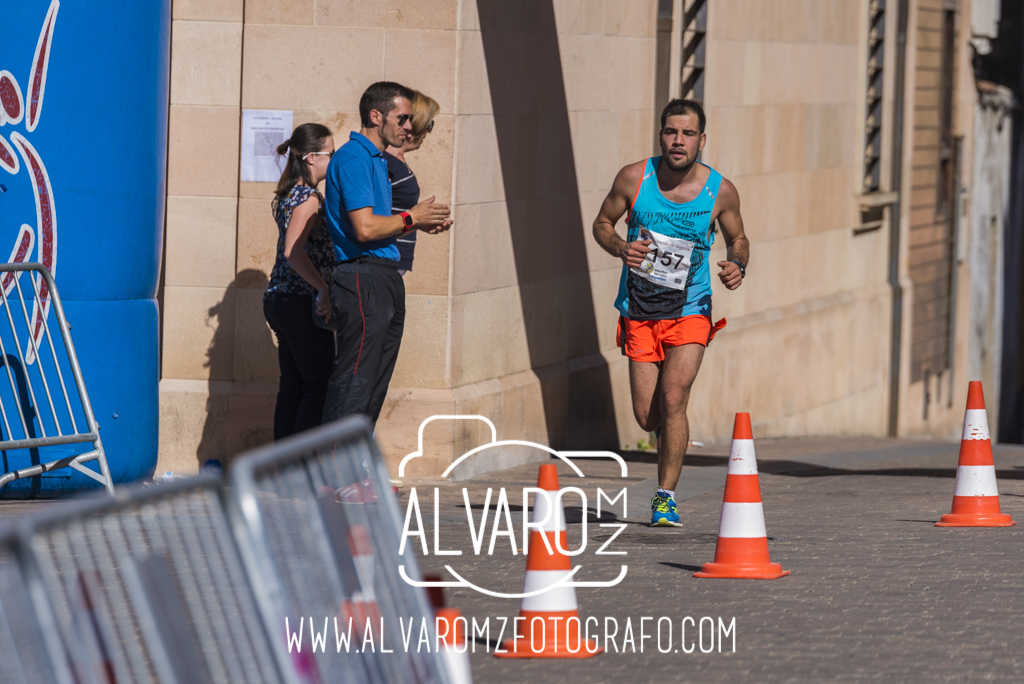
954 259
894 219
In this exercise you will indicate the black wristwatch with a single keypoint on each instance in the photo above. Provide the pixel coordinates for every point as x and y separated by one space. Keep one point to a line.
743 268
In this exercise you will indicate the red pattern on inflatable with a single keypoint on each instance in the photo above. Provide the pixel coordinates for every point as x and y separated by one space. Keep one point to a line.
7 159
42 58
10 98
22 248
12 110
46 231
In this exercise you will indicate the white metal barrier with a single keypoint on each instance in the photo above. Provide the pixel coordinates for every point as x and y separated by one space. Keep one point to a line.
190 582
148 586
23 646
30 419
319 515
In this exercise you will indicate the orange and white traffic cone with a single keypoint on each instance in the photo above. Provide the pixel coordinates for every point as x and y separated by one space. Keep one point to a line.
742 549
550 625
976 498
451 631
363 604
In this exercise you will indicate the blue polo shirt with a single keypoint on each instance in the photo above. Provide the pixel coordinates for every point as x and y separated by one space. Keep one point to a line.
357 177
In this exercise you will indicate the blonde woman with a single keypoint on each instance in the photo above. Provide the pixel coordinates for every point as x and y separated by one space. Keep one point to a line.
405 190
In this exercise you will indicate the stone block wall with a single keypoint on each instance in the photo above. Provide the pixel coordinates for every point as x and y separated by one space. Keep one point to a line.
510 313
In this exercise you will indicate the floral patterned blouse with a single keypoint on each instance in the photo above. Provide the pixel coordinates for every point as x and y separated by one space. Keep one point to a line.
318 246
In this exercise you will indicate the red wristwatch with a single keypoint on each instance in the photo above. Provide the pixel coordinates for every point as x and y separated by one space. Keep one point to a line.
407 220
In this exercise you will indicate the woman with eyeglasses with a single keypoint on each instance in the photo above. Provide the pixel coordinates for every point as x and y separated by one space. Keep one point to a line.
405 190
298 284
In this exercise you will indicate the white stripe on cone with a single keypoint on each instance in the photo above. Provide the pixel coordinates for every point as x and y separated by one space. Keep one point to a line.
975 424
364 570
541 505
560 598
744 520
976 481
458 665
741 458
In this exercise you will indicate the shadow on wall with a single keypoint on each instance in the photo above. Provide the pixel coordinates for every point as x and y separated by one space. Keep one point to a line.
549 233
239 414
1005 65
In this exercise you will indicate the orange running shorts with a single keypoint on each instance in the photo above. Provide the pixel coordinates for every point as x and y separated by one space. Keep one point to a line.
646 340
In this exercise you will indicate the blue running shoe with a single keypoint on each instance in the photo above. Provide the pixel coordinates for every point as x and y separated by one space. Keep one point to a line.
663 512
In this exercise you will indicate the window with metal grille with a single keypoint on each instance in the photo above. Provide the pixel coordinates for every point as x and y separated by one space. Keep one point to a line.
679 67
695 22
873 97
946 76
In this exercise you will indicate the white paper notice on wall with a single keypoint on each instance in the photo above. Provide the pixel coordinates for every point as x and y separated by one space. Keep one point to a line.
262 131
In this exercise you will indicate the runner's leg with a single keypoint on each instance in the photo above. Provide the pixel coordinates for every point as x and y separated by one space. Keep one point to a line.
678 371
644 389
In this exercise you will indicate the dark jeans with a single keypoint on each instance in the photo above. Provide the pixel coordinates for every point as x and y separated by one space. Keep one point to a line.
306 355
368 298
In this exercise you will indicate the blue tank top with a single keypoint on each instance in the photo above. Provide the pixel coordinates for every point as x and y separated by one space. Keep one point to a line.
675 279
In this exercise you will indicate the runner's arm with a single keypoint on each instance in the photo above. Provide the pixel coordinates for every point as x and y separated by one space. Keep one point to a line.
738 247
614 206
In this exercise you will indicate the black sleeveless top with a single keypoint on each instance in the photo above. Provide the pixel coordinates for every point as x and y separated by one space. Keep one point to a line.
405 194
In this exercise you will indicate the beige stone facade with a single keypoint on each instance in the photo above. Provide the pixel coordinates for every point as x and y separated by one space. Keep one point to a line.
510 313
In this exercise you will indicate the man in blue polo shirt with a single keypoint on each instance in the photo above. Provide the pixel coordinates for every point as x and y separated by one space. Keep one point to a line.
367 292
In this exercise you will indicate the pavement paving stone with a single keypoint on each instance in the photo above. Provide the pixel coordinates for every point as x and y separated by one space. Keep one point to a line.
877 592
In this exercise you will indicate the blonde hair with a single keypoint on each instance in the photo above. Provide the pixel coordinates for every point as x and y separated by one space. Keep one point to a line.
424 109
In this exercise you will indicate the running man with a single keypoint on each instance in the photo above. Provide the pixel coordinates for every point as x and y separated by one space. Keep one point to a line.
665 292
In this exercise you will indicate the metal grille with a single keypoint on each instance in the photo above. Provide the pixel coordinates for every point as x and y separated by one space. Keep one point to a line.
23 657
318 511
873 97
695 24
36 409
149 587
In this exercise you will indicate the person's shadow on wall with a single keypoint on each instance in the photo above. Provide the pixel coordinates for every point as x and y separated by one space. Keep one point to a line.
242 359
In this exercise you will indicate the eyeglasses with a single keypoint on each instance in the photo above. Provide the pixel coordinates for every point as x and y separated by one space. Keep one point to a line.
403 119
430 126
313 154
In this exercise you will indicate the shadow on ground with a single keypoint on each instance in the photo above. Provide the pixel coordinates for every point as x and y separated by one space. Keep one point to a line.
801 469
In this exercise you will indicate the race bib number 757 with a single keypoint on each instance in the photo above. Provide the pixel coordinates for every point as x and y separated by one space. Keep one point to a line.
668 261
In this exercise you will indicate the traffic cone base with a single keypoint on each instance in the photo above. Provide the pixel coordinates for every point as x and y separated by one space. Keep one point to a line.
770 571
739 558
551 647
968 518
950 520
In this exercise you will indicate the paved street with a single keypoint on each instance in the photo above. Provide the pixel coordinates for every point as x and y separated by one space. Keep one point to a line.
877 593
